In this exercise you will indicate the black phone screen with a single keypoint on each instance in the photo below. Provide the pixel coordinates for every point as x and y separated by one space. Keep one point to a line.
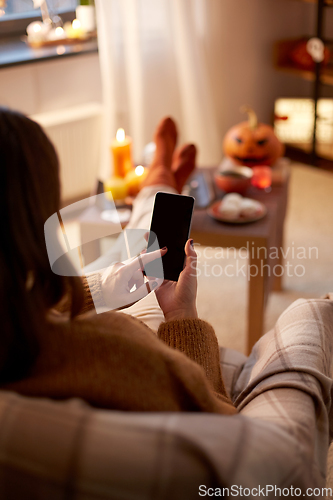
171 223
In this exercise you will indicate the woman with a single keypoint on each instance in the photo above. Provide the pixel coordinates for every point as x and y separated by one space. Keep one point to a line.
111 360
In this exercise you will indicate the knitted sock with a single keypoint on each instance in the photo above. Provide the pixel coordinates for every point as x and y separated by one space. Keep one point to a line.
183 164
160 170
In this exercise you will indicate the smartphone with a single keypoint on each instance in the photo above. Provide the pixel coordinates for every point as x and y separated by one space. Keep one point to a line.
170 227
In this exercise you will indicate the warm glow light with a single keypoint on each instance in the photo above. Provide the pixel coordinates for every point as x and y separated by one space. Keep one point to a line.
294 120
61 49
37 28
59 31
120 135
262 177
76 24
139 170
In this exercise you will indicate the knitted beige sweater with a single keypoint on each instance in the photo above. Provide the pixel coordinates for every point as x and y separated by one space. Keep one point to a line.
114 361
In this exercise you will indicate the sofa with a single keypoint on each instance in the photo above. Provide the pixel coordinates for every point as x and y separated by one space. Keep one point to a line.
54 450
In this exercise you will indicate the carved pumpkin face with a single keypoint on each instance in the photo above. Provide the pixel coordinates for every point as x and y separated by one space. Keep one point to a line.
251 144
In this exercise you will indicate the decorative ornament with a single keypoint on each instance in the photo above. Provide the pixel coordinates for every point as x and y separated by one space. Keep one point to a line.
307 52
251 143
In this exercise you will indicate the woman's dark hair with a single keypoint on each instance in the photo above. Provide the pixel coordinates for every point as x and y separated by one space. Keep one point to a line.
29 195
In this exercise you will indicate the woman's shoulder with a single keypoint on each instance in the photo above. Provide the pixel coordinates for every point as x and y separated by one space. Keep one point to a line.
108 324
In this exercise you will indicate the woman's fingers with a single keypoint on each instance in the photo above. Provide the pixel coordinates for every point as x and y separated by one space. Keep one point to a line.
191 258
143 259
111 271
144 290
114 267
137 279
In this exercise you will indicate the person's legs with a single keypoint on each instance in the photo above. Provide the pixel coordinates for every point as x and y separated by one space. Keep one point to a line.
168 173
286 382
165 138
183 164
169 177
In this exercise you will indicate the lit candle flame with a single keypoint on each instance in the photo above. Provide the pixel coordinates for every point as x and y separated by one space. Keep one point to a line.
61 49
139 170
59 31
120 135
76 24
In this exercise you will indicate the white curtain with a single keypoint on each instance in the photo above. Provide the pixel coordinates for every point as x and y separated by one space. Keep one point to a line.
155 57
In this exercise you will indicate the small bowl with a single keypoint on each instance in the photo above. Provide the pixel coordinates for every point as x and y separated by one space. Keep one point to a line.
235 180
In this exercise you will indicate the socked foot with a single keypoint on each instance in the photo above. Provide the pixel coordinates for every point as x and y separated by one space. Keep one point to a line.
160 170
183 164
165 138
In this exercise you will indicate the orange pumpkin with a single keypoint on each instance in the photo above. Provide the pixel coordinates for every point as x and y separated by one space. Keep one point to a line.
251 143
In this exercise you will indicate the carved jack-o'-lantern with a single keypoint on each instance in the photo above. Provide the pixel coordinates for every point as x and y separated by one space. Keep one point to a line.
251 143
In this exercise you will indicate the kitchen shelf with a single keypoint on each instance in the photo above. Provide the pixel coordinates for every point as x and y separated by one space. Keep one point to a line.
282 62
326 77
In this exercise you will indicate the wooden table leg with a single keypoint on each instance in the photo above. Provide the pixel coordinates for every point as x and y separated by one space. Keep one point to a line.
258 273
277 284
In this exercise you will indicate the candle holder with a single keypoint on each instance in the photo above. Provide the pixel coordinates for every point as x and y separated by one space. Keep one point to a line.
51 31
115 189
262 178
134 179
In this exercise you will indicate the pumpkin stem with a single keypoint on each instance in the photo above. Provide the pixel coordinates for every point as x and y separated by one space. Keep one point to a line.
253 120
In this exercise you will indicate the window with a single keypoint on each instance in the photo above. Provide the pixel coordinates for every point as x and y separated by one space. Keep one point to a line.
16 9
17 14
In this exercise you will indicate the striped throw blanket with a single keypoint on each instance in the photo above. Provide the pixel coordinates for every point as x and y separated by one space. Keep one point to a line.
275 447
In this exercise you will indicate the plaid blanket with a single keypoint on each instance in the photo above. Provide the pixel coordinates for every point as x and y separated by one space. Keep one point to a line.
276 446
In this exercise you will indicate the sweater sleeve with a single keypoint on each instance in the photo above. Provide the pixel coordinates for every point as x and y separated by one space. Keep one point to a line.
196 339
93 295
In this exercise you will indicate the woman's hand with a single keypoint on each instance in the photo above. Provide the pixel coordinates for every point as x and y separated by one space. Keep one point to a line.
118 280
178 299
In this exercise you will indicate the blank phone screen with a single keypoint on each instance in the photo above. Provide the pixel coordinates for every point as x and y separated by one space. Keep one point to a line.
171 223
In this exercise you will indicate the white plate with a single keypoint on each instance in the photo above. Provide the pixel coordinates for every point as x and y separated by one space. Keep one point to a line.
214 212
116 215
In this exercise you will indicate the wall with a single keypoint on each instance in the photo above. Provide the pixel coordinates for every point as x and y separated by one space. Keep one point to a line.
242 69
239 51
51 85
